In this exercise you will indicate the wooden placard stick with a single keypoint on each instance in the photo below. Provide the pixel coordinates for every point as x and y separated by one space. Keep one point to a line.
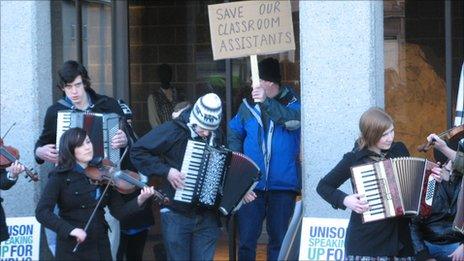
254 71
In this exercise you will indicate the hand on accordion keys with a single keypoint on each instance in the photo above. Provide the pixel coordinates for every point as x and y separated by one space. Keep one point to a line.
176 178
119 140
356 202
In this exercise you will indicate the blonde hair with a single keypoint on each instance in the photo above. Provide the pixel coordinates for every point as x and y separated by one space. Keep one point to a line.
372 124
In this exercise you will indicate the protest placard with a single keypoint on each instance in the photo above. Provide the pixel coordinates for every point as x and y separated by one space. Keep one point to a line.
323 239
24 241
247 28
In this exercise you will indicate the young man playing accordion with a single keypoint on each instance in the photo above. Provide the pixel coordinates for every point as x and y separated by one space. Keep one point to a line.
190 232
78 95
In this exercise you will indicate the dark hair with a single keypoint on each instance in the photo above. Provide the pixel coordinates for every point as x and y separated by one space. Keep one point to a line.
165 73
69 141
372 124
68 73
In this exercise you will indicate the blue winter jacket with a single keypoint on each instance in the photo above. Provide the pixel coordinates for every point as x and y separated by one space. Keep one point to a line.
276 151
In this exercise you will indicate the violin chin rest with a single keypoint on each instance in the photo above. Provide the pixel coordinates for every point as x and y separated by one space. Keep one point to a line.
96 161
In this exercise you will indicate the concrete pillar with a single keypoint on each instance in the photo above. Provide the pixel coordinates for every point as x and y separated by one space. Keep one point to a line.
25 90
341 76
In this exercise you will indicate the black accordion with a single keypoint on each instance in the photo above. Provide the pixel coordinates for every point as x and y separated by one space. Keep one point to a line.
100 127
395 187
216 177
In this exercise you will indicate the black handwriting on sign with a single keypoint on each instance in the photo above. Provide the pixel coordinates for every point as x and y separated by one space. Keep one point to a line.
269 8
229 13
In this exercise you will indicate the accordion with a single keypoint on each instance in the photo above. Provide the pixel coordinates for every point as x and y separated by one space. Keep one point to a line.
101 128
216 177
395 187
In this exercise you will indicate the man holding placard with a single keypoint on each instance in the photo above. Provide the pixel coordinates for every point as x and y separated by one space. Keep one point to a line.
267 126
267 129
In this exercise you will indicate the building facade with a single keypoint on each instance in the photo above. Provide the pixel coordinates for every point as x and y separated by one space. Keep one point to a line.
402 55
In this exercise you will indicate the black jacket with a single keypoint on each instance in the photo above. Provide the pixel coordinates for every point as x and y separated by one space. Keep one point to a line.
5 184
163 148
388 237
101 104
438 227
76 199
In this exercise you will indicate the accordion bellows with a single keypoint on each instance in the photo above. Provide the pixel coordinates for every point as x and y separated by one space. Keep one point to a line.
395 187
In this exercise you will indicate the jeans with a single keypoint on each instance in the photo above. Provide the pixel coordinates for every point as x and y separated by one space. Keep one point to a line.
277 207
189 237
441 252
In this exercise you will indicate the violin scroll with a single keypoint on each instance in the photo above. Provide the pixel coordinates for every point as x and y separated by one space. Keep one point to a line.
8 155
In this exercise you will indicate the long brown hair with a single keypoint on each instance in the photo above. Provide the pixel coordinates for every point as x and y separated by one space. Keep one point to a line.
372 124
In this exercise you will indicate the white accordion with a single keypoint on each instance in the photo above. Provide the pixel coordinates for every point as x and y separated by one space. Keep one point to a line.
395 187
100 127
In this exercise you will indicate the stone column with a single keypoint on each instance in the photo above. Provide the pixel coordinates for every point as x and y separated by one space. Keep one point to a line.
341 76
25 90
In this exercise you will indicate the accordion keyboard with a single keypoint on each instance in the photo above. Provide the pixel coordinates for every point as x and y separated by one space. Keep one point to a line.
63 123
190 167
375 190
369 185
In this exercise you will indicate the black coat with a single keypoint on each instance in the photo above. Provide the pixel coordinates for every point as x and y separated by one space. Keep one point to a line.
438 227
5 184
388 237
76 199
163 148
102 104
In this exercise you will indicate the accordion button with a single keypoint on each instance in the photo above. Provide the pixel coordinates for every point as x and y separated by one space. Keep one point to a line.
76 193
82 206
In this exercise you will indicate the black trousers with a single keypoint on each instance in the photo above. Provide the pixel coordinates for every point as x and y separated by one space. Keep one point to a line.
131 246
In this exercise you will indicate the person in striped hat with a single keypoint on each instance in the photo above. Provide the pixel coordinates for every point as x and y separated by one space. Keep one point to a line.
190 232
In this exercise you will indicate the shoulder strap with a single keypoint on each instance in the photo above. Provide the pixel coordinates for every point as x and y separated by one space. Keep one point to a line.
64 103
125 109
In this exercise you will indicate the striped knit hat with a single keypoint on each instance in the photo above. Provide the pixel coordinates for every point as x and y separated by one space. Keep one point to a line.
207 112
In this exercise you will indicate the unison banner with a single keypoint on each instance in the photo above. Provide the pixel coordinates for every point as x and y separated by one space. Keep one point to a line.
24 241
323 239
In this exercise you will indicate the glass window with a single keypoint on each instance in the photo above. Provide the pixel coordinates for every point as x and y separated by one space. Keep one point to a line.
415 66
95 43
177 33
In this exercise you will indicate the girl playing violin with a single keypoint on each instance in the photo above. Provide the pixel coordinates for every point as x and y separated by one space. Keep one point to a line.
8 178
69 187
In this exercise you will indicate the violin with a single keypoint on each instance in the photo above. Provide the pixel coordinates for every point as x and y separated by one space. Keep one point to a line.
455 133
124 181
9 155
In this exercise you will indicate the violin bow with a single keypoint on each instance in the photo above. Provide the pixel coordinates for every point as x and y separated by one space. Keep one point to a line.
93 212
101 198
12 125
